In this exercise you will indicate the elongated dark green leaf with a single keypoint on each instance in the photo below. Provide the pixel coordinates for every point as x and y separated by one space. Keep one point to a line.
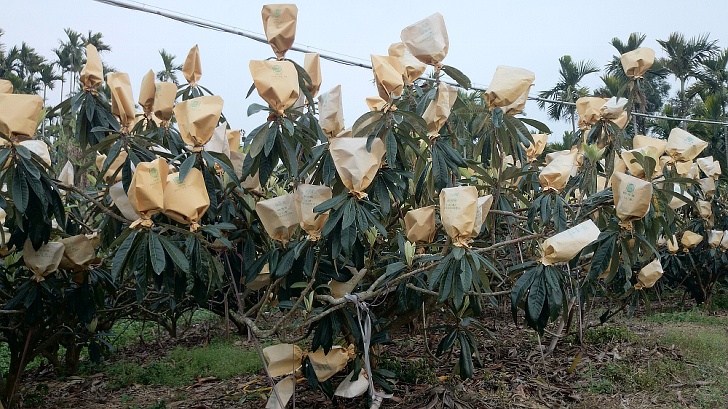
602 256
536 297
177 256
457 75
20 190
121 256
156 253
466 357
186 166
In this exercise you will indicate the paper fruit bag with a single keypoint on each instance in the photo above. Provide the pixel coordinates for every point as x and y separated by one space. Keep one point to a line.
690 239
43 261
675 202
507 85
234 139
516 107
19 114
355 165
327 365
308 197
683 146
351 389
165 94
388 76
636 62
589 110
724 240
658 145
439 108
78 252
427 39
279 24
331 112
197 119
146 191
276 82
705 209
92 74
279 217
121 200
192 68
147 91
710 167
649 275
707 185
458 208
413 68
635 168
186 201
283 359
115 165
632 197
122 101
555 175
715 237
39 148
613 108
260 281
565 245
484 205
536 148
67 174
312 65
420 224
6 87
218 143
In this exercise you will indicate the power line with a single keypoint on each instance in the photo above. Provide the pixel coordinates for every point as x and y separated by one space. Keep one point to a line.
326 55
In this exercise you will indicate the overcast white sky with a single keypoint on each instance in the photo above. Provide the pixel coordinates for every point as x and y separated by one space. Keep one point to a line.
531 34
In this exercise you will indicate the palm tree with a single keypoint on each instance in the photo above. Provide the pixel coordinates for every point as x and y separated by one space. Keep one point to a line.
683 58
96 41
169 73
70 56
48 78
567 89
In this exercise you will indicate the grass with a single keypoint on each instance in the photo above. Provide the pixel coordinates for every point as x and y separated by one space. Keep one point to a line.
412 371
181 367
698 372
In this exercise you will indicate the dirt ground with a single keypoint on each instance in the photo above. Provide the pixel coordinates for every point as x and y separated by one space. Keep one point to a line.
516 372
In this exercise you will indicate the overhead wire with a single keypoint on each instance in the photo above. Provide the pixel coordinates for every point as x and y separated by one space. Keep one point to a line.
332 56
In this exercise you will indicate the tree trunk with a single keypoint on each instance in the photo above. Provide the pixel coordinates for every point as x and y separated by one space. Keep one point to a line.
683 103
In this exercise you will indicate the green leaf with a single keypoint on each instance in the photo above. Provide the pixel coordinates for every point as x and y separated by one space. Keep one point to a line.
536 297
521 286
540 126
121 256
255 108
602 256
156 253
457 75
20 190
466 357
177 256
373 116
186 166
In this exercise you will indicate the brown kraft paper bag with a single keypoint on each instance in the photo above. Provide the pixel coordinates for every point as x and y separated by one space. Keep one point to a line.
308 197
197 119
279 24
649 275
276 82
234 139
635 168
690 240
413 68
331 112
565 245
279 217
641 141
636 62
536 148
45 260
672 245
355 165
147 91
283 359
484 205
458 208
19 114
6 87
146 191
518 105
166 93
186 201
427 39
312 65
439 108
555 175
122 101
715 237
707 185
705 209
632 197
420 224
115 165
339 289
78 253
192 68
327 365
710 167
683 146
507 85
388 76
589 110
92 74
